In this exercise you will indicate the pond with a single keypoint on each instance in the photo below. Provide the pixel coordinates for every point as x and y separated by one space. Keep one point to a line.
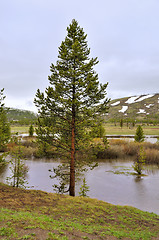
118 189
148 138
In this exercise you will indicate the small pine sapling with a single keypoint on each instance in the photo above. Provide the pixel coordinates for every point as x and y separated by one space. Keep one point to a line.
31 130
18 168
139 136
84 189
121 123
140 161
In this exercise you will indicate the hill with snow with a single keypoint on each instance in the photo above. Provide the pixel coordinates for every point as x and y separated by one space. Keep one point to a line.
135 107
25 116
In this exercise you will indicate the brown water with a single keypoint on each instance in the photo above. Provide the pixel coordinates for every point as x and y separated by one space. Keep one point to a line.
119 189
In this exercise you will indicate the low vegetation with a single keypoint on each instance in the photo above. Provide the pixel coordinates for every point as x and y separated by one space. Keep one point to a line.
31 214
117 148
123 149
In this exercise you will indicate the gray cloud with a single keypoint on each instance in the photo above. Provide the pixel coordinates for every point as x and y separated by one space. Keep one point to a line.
122 34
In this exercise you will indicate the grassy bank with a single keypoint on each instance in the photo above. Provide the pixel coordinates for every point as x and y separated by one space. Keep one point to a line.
30 214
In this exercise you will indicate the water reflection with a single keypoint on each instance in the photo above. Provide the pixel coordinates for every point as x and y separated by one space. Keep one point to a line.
120 189
148 138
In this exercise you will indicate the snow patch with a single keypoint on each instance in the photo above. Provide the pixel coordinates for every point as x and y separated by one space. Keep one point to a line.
131 100
135 99
124 108
116 103
141 111
144 97
150 105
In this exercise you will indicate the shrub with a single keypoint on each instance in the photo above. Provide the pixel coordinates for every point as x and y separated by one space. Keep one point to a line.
112 152
118 141
130 148
151 145
28 151
152 156
29 143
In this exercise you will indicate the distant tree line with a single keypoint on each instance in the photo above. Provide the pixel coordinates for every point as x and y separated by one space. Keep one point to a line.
21 117
132 121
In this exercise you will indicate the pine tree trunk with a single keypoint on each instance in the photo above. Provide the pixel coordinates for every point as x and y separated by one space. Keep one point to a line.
14 176
72 164
18 172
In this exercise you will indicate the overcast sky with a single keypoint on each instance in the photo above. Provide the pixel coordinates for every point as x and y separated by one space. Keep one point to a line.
123 34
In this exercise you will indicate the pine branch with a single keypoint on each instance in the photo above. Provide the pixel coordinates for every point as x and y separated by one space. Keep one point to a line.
64 146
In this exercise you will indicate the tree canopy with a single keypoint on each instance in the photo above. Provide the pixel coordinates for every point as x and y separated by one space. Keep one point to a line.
4 125
75 100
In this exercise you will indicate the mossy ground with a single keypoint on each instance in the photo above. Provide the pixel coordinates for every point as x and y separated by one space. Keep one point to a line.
31 214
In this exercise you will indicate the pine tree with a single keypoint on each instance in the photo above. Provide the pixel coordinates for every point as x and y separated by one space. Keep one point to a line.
121 122
4 125
139 161
17 167
139 136
84 189
31 130
74 101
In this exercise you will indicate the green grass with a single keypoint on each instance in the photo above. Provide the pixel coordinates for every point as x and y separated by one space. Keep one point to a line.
110 128
19 129
30 214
